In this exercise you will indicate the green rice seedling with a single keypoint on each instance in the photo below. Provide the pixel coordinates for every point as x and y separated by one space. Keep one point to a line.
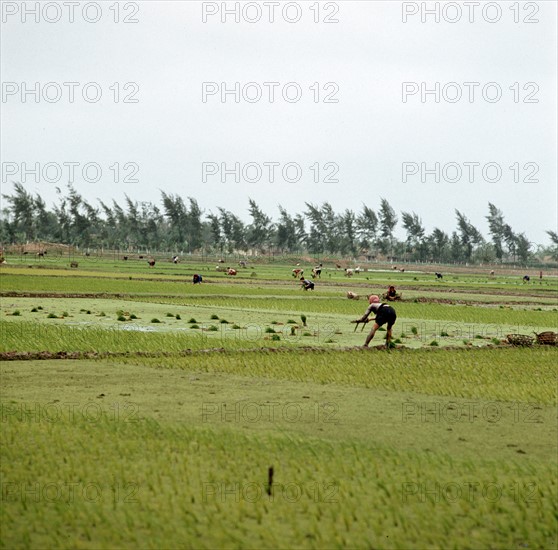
270 330
155 320
39 307
303 319
433 343
194 326
329 341
224 322
212 328
291 322
170 314
102 314
403 335
273 323
306 334
34 310
133 316
444 333
414 331
16 313
177 317
368 475
88 312
293 331
65 314
236 327
214 316
52 316
192 320
121 318
496 342
276 337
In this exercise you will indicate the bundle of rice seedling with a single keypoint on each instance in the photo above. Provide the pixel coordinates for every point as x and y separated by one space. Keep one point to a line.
548 338
520 340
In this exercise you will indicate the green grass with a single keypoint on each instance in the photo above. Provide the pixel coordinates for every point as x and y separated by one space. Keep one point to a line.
353 465
32 337
174 426
191 492
530 373
138 279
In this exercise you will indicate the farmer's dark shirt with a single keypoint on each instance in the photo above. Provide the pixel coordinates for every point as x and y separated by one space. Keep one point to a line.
371 308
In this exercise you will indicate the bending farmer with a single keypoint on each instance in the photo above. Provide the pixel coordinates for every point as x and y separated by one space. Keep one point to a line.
306 284
384 314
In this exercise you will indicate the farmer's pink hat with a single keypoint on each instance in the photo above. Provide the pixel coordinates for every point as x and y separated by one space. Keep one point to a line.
373 299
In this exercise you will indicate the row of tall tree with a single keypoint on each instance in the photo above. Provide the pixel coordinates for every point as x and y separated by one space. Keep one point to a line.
178 225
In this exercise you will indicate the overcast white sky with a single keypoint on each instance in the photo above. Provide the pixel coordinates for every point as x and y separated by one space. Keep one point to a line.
170 52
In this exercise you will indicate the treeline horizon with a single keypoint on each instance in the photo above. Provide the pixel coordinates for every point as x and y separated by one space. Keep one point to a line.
179 225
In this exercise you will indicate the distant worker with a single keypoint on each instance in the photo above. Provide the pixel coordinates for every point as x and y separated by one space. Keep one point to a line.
306 284
384 314
197 279
391 294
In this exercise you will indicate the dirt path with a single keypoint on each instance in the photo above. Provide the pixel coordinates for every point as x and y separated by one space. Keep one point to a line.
45 355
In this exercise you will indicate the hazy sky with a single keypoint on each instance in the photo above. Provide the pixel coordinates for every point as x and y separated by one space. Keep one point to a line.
362 140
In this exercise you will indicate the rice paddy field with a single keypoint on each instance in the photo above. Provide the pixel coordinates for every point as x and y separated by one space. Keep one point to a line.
141 410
